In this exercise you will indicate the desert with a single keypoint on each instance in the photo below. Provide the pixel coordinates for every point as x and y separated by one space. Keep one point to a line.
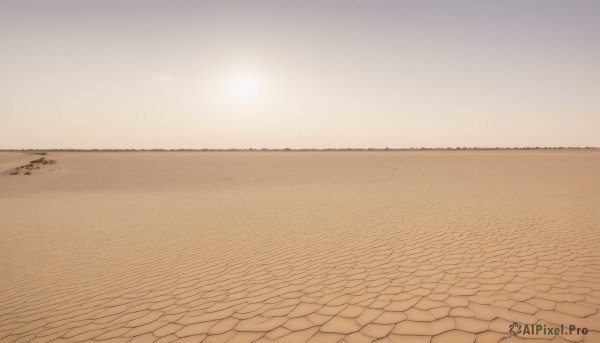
290 246
299 171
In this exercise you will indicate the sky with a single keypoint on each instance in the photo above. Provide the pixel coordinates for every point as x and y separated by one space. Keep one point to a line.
299 74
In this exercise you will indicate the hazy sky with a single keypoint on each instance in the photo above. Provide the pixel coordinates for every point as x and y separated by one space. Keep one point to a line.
221 74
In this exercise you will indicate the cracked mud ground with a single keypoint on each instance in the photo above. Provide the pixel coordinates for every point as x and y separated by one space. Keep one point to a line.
301 247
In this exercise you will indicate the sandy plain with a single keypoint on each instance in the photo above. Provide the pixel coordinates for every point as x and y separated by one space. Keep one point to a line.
300 246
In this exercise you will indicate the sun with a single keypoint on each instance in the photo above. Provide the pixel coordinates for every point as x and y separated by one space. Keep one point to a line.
245 88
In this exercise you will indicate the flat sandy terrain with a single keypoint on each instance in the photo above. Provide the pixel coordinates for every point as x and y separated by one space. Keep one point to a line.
300 246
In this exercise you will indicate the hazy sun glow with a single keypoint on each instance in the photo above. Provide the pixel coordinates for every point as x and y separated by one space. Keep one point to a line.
299 74
245 88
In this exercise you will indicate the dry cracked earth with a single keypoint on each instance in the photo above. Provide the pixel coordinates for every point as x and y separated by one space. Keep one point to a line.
301 247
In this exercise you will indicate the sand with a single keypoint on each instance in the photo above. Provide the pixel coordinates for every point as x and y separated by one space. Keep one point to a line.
300 246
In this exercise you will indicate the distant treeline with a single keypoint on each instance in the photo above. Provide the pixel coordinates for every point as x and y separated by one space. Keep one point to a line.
290 149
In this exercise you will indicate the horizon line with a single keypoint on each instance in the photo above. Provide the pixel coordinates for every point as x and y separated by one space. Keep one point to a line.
297 149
